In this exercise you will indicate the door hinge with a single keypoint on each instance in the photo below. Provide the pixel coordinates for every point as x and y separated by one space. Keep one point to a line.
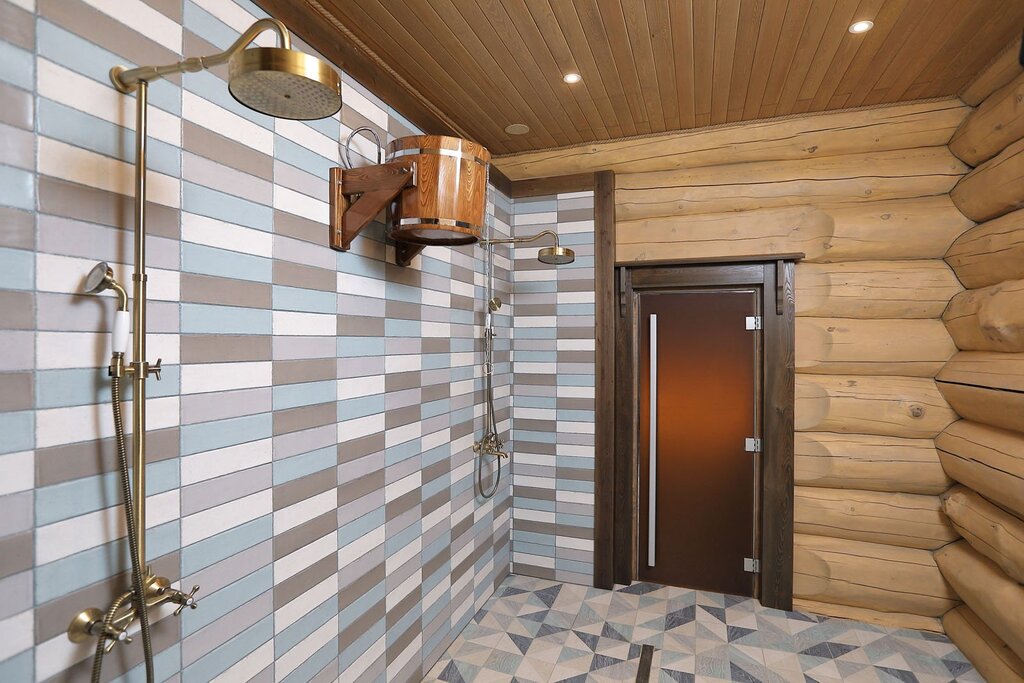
753 322
752 445
751 565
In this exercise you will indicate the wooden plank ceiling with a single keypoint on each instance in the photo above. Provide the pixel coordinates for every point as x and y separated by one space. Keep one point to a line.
649 66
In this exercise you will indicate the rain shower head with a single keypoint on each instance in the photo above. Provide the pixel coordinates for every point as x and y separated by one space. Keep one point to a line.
284 83
556 255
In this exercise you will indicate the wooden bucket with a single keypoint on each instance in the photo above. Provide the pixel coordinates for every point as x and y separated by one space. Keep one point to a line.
447 202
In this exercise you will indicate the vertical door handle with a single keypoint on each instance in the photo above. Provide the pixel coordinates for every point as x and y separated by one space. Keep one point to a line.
652 449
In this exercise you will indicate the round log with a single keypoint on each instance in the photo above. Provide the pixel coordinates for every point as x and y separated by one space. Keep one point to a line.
993 126
994 188
987 460
902 519
874 289
988 319
997 599
1000 71
869 616
771 231
986 387
890 406
990 253
992 657
921 228
827 182
868 462
848 346
992 531
918 124
869 575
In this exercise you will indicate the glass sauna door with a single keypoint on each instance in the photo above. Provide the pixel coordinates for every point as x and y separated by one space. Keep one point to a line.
698 480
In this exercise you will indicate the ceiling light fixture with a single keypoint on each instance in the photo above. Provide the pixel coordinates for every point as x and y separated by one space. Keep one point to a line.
572 77
517 129
861 26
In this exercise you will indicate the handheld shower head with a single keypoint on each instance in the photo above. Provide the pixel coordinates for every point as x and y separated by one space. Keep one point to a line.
284 83
556 255
99 279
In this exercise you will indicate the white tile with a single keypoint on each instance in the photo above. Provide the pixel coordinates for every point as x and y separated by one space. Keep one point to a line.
69 536
363 662
16 634
399 435
198 379
19 472
397 489
294 562
207 114
358 285
360 547
357 101
357 387
402 660
293 515
289 200
227 516
138 16
548 218
575 227
310 138
28 5
56 426
215 233
62 85
58 654
290 660
402 363
294 323
250 665
360 427
305 603
66 274
216 463
67 162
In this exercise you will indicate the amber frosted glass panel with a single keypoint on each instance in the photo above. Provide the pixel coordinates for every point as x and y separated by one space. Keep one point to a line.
706 388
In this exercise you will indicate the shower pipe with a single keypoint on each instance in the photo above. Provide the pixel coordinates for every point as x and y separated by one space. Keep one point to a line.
149 591
490 443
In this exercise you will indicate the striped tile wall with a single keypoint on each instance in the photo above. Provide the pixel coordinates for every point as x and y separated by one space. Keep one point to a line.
310 459
553 394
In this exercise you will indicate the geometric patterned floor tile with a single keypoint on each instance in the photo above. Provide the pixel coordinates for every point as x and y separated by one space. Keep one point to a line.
538 631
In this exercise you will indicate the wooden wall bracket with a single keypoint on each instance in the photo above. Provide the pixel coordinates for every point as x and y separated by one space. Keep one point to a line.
358 195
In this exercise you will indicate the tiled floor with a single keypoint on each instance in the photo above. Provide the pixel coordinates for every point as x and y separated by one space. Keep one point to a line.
536 631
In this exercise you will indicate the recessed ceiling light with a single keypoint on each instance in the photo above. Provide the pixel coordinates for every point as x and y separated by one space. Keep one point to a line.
861 26
517 129
572 77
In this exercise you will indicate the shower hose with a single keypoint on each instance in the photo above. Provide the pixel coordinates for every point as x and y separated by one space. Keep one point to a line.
490 426
138 592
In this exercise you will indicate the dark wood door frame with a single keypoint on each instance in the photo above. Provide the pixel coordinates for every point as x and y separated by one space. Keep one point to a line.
774 276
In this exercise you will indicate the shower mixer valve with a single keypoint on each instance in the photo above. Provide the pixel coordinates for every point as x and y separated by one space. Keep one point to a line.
112 626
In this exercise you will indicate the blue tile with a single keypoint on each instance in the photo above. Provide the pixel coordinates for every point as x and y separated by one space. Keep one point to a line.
85 386
315 663
216 662
231 542
359 527
207 436
227 599
18 668
17 66
306 624
307 463
88 494
208 319
305 394
308 300
17 187
206 202
18 431
353 408
197 258
300 157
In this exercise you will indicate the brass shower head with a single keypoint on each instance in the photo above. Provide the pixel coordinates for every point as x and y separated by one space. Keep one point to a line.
284 83
556 255
100 279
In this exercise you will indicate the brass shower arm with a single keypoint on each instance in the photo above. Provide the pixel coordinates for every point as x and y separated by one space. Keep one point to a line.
126 80
520 240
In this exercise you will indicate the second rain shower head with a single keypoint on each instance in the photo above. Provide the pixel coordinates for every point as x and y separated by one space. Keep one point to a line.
556 256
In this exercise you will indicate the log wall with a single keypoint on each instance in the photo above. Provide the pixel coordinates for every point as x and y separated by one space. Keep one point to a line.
984 382
865 196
